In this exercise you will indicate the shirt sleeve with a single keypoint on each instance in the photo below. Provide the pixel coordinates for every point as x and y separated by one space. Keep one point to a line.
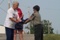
32 17
10 14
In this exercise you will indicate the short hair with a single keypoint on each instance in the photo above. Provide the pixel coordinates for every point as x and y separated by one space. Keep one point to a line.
36 7
15 2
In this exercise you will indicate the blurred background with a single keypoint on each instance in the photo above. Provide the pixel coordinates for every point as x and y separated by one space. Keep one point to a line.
49 11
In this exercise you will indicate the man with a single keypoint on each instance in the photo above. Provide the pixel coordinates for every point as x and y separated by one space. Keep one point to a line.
10 21
36 18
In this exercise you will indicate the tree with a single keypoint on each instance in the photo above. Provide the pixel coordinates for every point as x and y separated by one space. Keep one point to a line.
47 28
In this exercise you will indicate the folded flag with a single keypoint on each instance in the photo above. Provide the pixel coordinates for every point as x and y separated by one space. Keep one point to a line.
20 24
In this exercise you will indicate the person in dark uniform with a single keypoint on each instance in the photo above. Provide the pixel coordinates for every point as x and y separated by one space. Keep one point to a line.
38 27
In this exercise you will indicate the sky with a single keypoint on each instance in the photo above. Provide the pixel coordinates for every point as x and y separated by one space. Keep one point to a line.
49 10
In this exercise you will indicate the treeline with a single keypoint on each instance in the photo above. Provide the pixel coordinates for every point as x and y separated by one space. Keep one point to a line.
47 27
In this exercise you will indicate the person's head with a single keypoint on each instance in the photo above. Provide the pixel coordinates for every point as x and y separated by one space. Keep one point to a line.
15 4
36 8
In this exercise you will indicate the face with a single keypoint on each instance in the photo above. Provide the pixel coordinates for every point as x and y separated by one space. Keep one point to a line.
34 10
15 5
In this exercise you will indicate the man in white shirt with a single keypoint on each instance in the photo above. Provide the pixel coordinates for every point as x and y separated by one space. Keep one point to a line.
11 20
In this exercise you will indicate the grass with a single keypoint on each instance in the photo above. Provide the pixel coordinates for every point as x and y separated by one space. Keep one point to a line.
52 37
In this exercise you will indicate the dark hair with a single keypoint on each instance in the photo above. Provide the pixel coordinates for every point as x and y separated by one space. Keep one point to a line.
36 7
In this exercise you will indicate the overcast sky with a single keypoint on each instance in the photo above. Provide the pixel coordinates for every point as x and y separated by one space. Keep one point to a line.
50 10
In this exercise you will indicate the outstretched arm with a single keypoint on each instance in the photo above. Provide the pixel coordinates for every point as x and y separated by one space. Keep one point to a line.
30 18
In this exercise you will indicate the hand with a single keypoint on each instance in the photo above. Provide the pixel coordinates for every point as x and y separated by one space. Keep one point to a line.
25 22
17 21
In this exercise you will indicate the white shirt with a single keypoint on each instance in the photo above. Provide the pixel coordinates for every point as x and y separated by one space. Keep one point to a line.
11 13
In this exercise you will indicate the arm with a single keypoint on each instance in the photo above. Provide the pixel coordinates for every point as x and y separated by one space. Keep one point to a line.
27 21
12 19
30 18
10 15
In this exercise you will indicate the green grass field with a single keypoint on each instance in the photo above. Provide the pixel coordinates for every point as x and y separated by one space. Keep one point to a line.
52 37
